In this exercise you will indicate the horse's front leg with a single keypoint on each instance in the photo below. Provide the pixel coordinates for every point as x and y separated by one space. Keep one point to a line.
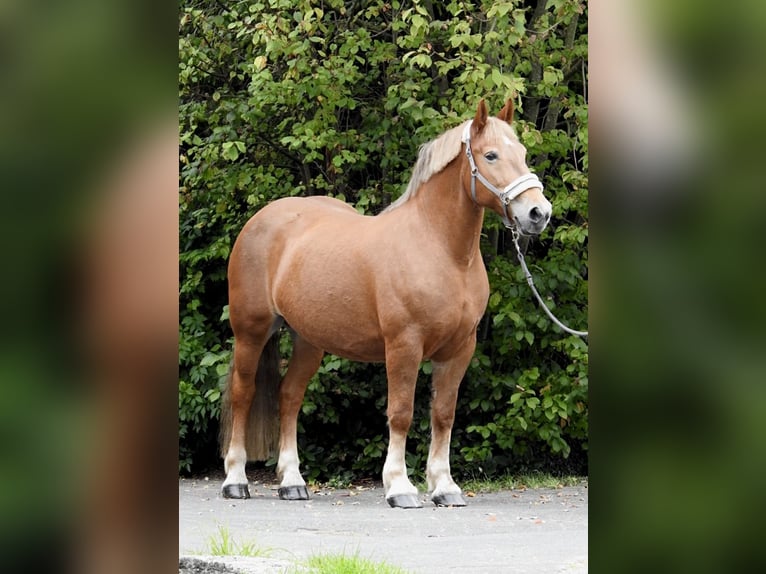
446 381
402 363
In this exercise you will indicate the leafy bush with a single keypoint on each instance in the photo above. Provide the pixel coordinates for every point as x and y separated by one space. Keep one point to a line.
288 97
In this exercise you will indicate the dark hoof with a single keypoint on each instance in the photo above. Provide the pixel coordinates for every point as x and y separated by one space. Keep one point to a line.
293 493
404 501
449 499
235 491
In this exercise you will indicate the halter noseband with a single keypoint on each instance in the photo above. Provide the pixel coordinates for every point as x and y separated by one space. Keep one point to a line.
509 192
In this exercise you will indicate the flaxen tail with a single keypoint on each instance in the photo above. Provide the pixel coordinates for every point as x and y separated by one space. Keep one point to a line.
262 434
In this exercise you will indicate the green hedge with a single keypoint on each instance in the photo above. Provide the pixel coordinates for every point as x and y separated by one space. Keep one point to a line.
286 97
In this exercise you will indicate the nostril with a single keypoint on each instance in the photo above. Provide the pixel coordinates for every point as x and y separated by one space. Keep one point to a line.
535 214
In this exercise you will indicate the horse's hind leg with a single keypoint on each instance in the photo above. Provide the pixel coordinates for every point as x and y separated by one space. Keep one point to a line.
446 380
248 351
304 363
241 391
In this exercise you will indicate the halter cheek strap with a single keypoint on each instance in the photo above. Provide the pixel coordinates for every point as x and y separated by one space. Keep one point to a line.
509 192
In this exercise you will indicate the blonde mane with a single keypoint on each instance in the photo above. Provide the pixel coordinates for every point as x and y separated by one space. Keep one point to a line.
435 155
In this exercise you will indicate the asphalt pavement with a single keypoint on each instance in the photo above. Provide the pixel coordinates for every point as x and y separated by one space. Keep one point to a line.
526 531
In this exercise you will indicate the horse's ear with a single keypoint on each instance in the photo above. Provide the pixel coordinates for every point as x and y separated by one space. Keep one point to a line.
506 114
480 119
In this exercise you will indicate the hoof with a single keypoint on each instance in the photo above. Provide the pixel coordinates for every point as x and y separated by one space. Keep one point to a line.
448 499
293 492
235 491
404 501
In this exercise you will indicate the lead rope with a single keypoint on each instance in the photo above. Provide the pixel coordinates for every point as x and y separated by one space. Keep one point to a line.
515 235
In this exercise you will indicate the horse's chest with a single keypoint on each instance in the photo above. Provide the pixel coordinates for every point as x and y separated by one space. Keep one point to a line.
448 305
447 327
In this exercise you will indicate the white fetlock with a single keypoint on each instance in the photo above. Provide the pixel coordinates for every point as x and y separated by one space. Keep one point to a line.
288 470
234 464
401 486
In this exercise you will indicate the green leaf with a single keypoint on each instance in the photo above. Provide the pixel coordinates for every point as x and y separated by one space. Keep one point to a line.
231 150
549 76
529 337
550 415
222 369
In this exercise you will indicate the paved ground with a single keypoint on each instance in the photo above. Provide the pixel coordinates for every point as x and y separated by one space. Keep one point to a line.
536 531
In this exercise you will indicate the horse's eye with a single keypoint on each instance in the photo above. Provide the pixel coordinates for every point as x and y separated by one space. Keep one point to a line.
490 156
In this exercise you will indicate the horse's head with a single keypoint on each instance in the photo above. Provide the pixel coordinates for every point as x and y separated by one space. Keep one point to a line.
499 177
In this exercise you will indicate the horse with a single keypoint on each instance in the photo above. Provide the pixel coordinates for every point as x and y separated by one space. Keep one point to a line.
400 287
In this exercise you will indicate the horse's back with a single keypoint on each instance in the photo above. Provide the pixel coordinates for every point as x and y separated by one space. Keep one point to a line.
289 216
303 210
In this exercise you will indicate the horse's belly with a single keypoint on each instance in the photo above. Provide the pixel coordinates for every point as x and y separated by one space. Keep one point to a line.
369 351
338 331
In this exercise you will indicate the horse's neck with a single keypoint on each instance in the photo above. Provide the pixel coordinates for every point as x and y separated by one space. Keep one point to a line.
450 215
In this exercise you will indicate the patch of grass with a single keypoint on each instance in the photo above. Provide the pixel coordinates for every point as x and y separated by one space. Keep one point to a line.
345 564
529 480
223 544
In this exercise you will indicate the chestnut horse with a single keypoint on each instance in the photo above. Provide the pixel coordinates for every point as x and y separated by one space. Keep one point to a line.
406 285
